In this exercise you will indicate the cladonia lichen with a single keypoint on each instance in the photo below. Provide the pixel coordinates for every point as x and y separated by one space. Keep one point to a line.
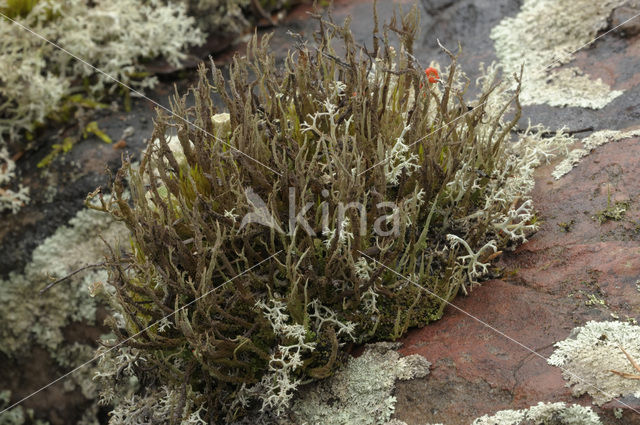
28 316
590 354
543 413
18 415
361 393
543 35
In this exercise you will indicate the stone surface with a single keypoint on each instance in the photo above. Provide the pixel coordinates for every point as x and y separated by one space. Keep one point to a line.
622 19
548 288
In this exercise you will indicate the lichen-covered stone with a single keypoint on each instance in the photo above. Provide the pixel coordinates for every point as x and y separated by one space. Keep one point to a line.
588 357
543 414
31 319
543 36
361 393
114 36
589 143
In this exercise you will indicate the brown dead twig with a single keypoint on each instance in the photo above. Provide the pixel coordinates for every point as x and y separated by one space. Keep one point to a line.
633 363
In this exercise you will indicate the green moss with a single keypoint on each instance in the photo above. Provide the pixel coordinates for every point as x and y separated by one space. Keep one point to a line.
56 149
614 211
566 226
15 8
593 299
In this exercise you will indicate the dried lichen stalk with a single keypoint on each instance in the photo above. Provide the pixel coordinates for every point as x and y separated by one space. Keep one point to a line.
374 200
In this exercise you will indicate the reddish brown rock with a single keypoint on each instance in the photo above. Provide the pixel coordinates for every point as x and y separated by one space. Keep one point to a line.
478 350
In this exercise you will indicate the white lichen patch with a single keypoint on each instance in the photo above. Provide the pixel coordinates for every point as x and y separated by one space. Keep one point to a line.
10 199
542 36
18 415
361 393
543 413
589 143
28 317
592 352
114 36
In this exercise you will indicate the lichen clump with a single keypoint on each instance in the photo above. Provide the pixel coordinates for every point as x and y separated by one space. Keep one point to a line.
589 143
345 198
33 322
590 354
542 414
543 36
37 78
29 318
361 392
10 200
231 19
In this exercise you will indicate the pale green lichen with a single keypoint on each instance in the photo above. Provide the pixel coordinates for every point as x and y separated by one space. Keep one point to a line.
119 387
71 355
399 422
159 407
114 36
11 200
221 17
589 143
543 35
278 385
115 376
17 415
592 352
361 393
231 19
543 414
29 318
32 318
